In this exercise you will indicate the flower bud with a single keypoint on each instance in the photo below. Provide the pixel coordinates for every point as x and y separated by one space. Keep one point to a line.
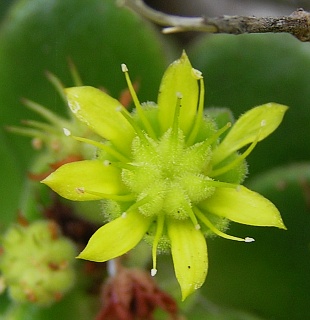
36 263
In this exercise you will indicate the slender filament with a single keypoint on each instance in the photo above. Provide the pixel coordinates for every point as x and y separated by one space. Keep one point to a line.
104 147
137 104
235 162
158 234
199 115
209 224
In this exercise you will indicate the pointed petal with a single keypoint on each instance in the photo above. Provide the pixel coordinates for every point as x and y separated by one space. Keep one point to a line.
178 78
71 179
101 113
259 122
116 237
189 253
243 206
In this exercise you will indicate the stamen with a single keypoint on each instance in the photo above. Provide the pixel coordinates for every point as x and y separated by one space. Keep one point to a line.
57 84
120 165
45 113
28 132
219 132
139 203
158 234
137 104
74 74
209 224
135 126
192 216
175 124
45 127
231 165
125 197
112 267
124 67
104 147
199 116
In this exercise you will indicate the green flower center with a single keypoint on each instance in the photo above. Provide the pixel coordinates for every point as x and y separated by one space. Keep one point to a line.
167 175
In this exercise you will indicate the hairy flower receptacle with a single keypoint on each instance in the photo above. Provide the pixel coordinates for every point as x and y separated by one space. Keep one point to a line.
169 173
165 172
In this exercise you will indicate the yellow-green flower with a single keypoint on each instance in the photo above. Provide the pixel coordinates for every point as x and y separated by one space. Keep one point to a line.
166 173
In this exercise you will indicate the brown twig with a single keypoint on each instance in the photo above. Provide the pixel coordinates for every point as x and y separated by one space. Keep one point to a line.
297 24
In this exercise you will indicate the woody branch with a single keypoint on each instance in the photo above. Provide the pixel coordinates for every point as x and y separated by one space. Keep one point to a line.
297 24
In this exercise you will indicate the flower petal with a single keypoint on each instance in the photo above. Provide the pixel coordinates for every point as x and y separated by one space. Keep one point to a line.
189 253
71 179
258 122
243 206
101 113
116 237
178 78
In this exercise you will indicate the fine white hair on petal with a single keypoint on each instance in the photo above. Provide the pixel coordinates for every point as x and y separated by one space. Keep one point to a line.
263 123
124 214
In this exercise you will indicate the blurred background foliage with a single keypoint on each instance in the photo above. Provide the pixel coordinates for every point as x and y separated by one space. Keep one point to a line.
268 279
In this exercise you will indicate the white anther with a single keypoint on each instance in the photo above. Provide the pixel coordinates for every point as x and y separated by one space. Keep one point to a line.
118 108
67 132
124 214
112 267
263 123
248 239
179 95
197 227
124 67
153 272
80 190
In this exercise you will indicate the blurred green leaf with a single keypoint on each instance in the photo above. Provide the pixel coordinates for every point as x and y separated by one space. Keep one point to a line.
11 177
248 70
270 276
75 306
40 35
4 6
